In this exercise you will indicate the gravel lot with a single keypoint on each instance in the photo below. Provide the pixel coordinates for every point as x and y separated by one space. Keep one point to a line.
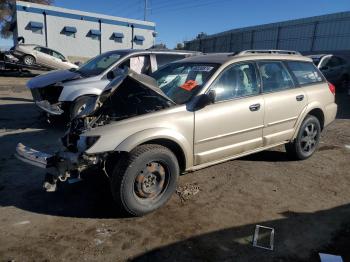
306 202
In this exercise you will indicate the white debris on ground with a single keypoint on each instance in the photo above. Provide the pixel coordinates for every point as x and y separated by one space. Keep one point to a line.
347 147
22 223
187 191
102 234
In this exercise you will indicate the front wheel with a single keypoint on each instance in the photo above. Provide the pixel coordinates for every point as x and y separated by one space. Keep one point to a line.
145 179
79 105
307 140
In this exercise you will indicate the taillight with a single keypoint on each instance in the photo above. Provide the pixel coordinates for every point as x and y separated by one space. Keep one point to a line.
331 88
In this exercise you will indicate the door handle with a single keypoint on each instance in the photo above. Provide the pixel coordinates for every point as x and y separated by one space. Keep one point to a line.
300 98
254 107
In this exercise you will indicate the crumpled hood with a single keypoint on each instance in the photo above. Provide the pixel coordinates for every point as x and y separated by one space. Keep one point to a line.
146 81
52 78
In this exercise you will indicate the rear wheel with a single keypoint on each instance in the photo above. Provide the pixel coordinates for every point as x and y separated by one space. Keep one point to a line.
28 60
307 140
145 179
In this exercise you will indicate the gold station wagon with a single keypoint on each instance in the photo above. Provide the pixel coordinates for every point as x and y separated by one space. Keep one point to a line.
144 131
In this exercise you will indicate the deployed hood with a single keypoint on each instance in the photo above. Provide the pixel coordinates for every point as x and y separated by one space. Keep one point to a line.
145 80
53 77
122 87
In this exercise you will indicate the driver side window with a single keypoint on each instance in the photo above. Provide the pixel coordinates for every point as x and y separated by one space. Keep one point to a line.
236 81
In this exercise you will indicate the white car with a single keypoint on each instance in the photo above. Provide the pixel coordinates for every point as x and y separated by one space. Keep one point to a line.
42 56
68 91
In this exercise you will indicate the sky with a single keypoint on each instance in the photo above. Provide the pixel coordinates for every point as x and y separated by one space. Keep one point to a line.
179 20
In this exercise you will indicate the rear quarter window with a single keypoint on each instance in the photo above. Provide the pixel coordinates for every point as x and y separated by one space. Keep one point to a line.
304 72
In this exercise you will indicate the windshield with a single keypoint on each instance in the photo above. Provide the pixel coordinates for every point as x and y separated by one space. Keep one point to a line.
100 63
181 81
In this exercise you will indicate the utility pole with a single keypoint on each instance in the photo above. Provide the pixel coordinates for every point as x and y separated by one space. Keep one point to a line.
146 9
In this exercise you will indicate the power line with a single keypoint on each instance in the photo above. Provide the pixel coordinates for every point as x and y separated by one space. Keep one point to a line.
191 5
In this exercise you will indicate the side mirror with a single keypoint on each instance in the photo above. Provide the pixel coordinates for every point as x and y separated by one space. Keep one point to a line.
205 99
64 60
110 75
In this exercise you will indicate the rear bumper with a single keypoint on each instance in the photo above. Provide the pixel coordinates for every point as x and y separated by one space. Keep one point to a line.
330 113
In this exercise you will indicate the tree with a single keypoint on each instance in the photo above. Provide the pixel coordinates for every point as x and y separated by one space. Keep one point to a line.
7 8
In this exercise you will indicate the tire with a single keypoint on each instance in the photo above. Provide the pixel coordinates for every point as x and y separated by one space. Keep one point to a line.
28 60
77 106
145 180
307 140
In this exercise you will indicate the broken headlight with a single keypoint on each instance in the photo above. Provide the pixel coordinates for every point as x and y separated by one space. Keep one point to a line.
88 107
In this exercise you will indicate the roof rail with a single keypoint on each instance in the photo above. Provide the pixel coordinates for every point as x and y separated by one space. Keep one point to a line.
271 51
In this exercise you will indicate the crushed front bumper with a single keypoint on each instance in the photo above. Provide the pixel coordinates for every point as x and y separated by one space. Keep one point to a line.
62 166
33 157
53 109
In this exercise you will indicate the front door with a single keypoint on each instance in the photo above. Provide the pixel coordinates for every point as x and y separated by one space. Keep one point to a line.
234 123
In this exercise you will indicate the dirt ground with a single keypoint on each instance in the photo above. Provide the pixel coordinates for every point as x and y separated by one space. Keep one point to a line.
307 203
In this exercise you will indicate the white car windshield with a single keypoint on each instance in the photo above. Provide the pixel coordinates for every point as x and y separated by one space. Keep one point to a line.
100 63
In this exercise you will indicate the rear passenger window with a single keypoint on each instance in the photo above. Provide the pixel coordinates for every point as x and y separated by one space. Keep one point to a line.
304 72
163 59
274 76
237 81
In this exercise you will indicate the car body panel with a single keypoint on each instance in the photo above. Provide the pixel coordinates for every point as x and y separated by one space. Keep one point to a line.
241 132
279 121
175 123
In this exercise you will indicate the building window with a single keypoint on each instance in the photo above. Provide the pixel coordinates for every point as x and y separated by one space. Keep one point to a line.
94 34
138 39
35 27
117 37
69 31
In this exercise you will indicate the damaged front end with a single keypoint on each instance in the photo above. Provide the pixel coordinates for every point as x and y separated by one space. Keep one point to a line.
129 95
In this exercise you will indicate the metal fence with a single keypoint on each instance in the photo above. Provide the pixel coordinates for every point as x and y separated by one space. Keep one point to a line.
308 35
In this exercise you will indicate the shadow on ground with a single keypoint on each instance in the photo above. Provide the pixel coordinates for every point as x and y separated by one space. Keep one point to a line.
235 244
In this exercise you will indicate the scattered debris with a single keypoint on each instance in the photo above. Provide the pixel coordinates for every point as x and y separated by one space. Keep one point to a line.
187 191
330 258
266 238
22 223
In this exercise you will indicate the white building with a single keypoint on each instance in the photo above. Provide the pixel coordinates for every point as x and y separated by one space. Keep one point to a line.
79 34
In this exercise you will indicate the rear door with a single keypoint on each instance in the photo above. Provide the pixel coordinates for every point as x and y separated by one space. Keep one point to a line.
284 102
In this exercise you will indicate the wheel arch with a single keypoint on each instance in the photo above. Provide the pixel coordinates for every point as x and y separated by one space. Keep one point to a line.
172 146
165 137
314 110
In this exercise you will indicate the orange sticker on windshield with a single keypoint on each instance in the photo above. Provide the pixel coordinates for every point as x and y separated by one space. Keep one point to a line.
189 85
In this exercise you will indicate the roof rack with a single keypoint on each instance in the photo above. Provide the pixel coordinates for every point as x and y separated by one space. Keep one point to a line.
272 51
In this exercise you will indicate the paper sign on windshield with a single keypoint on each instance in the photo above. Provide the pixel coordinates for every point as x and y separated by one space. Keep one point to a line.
189 85
202 68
